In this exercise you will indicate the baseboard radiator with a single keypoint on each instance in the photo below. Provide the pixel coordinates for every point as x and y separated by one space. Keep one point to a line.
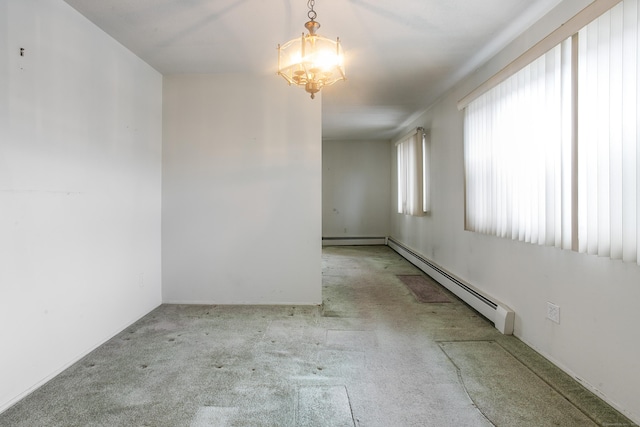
353 241
501 315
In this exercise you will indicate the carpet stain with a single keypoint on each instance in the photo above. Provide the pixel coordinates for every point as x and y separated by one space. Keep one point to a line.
424 289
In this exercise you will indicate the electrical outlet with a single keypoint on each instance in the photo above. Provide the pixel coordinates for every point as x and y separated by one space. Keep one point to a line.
553 312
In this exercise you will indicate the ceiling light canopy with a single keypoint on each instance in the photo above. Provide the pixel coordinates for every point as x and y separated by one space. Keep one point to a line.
311 61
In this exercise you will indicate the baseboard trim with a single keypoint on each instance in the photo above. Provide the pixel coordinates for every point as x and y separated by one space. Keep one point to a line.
353 241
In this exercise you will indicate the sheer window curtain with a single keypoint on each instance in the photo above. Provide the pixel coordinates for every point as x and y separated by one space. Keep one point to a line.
608 134
518 154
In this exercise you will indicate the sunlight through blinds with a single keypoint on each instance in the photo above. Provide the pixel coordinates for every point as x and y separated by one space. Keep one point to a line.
411 162
518 154
608 148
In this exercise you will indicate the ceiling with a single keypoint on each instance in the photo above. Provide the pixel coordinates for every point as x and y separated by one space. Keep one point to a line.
401 55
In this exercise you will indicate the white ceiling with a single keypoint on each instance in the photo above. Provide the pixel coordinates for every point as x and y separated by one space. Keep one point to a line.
401 54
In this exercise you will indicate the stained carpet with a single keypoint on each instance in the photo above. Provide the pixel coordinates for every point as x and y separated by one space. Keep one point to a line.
424 289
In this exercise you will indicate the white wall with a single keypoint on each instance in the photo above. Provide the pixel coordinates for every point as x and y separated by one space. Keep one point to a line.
356 188
241 191
597 339
80 149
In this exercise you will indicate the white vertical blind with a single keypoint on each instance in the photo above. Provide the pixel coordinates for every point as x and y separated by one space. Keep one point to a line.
552 154
517 154
410 174
402 178
426 172
608 134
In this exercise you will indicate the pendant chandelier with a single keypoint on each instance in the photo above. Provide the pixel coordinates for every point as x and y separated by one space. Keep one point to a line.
311 61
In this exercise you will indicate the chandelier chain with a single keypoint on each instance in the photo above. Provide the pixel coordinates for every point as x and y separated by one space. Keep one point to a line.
312 13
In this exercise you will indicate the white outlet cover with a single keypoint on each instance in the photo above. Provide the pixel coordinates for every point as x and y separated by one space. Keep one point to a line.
553 312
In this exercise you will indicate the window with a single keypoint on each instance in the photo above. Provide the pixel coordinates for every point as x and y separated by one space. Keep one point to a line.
413 174
515 141
426 173
608 134
552 152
